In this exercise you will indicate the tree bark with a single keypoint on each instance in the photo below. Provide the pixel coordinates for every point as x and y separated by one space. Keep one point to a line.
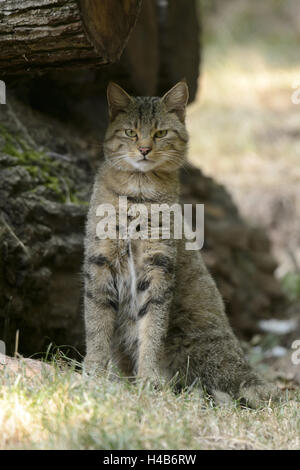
179 30
41 35
44 185
141 58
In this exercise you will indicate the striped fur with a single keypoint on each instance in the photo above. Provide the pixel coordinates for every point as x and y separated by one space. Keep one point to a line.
151 307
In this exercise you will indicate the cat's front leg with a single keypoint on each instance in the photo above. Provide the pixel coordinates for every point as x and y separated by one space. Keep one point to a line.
155 291
100 308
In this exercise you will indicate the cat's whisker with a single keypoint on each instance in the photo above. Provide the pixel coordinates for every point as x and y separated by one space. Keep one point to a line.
115 160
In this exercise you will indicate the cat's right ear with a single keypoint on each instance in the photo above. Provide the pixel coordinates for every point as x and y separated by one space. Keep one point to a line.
117 98
176 99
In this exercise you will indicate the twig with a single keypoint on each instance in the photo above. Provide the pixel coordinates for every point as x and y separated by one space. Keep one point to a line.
16 344
8 227
67 190
59 156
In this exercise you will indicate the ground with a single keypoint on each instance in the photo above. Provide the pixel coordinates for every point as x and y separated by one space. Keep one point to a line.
65 411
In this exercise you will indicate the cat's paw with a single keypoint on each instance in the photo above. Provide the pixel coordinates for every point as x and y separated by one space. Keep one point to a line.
221 398
150 377
257 396
92 368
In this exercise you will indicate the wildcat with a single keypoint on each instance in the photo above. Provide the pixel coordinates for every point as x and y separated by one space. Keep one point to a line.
151 306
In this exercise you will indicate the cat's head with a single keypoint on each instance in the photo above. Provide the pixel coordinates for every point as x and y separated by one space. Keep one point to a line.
146 133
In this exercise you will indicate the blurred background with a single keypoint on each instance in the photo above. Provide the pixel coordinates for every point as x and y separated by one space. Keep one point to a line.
240 59
244 126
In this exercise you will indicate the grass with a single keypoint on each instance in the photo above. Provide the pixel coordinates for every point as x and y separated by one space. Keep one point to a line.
67 411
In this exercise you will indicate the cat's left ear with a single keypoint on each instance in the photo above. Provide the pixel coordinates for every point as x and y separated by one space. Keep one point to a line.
176 99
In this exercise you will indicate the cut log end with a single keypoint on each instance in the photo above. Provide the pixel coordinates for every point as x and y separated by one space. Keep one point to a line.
46 35
108 24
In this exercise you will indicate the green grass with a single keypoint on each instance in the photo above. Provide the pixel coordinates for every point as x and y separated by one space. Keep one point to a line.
44 171
291 285
67 411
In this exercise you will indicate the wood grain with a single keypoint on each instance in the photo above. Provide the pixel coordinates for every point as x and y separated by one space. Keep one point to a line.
41 35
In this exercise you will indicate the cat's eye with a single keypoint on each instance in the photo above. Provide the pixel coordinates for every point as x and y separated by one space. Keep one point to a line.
130 133
161 133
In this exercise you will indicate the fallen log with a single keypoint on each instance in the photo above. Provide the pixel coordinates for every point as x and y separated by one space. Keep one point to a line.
41 35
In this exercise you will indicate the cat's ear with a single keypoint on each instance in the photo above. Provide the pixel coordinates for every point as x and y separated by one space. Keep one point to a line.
117 98
176 99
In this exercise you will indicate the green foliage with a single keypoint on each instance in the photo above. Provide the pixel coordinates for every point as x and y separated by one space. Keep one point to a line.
45 172
291 285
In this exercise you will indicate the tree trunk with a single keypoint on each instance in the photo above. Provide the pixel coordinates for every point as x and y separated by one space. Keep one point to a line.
40 35
179 30
44 185
141 58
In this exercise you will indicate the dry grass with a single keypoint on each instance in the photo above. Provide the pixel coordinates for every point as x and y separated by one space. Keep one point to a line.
69 412
244 127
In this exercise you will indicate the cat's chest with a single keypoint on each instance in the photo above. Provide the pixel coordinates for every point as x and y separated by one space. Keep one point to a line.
128 266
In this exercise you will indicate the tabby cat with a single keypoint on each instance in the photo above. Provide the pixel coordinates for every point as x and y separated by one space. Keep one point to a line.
151 306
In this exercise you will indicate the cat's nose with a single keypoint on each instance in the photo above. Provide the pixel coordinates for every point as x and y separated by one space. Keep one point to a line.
145 150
